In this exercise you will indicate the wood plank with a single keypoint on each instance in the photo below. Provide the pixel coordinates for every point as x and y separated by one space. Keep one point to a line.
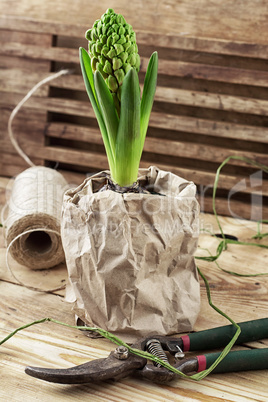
19 36
98 161
173 68
169 40
209 127
212 100
236 209
249 56
242 210
23 38
212 73
28 125
158 120
69 81
14 168
158 145
206 178
16 77
63 350
59 105
22 80
48 345
38 52
14 163
202 44
60 154
26 119
56 277
74 132
226 22
30 65
29 24
199 151
73 179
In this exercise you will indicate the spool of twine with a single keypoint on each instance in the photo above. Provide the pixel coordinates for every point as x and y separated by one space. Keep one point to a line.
32 226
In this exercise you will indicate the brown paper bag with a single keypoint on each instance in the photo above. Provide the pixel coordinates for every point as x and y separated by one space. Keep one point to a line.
130 256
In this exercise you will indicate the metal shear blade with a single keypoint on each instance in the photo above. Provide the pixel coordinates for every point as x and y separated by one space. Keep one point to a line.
109 368
120 363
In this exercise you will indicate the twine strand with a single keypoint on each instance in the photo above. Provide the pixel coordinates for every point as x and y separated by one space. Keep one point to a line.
11 271
18 107
3 218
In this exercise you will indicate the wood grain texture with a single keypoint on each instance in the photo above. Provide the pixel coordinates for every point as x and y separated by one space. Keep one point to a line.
50 345
170 68
20 81
211 100
14 74
244 21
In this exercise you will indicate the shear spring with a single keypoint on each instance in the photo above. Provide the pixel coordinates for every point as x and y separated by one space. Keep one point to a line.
154 347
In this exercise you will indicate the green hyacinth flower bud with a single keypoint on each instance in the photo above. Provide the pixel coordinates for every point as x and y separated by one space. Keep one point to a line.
113 49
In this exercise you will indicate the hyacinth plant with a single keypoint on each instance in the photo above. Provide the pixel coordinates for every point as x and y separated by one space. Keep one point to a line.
110 71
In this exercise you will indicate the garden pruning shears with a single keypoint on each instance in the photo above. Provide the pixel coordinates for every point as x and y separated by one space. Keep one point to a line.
122 363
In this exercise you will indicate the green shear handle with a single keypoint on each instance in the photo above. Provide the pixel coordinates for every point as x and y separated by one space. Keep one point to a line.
220 336
239 360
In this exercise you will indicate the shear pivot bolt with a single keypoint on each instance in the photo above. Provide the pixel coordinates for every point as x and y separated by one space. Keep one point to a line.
179 355
121 353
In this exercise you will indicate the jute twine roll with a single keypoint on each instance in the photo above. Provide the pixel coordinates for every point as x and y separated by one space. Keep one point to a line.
32 227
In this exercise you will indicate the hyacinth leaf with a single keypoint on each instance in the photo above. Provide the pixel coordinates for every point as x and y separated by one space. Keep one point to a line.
128 144
87 73
89 83
107 109
147 99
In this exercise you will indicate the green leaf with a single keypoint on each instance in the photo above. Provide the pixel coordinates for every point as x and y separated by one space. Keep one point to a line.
128 143
87 73
147 99
107 108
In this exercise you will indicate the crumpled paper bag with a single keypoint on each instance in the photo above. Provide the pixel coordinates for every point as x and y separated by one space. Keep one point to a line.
130 257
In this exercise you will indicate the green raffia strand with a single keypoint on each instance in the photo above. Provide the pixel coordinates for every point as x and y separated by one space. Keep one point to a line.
226 270
223 243
221 247
260 235
216 181
141 353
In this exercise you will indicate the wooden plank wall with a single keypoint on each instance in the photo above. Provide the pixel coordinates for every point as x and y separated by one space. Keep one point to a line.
211 102
15 82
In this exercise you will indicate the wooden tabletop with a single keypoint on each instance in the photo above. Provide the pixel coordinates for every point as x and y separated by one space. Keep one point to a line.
244 21
51 345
